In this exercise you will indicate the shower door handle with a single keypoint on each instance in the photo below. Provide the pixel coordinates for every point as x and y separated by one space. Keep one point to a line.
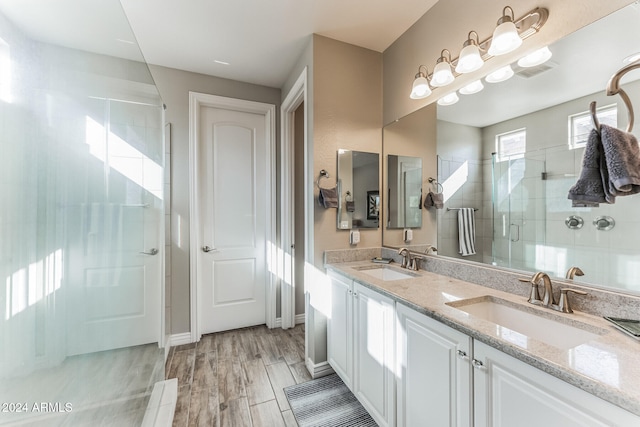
518 233
153 251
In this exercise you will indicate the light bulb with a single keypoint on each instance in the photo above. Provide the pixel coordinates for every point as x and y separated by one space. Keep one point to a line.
420 88
505 37
537 57
500 75
442 74
471 88
448 99
470 59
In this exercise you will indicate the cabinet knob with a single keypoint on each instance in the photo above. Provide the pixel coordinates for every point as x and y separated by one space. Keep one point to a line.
478 364
462 355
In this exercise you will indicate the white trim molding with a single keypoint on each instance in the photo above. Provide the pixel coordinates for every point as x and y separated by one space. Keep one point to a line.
196 101
296 96
318 370
180 339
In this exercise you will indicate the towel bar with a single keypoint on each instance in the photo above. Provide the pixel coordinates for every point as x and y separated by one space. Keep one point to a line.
457 209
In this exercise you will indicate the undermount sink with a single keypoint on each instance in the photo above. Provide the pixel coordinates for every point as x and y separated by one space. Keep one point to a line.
385 272
527 322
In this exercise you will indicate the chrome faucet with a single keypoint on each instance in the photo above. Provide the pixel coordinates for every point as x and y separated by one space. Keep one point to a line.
406 257
534 298
574 271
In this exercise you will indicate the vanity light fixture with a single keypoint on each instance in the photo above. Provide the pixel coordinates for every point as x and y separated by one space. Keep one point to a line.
420 88
470 59
535 58
449 99
500 75
505 37
442 74
508 35
471 88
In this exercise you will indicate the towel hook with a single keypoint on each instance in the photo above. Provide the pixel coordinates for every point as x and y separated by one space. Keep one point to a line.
439 187
613 88
323 174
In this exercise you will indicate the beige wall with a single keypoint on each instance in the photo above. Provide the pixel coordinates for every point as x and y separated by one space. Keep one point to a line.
174 86
347 114
447 24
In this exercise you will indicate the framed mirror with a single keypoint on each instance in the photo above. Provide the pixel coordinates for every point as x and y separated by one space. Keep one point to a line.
404 191
358 190
513 151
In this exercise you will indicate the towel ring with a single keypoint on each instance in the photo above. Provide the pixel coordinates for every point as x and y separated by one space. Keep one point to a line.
439 187
323 174
613 88
348 197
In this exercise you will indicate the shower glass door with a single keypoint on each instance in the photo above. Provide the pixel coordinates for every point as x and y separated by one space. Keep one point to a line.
519 212
81 231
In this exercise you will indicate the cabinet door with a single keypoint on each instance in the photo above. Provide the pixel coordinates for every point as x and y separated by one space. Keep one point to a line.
509 392
374 354
340 329
434 373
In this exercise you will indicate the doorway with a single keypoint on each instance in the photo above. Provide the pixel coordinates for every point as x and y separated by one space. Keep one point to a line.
232 213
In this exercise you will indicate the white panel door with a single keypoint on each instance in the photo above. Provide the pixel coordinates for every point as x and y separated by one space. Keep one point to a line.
233 211
113 287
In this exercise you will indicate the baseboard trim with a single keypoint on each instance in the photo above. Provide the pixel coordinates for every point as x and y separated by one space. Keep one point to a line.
162 404
318 370
298 320
180 339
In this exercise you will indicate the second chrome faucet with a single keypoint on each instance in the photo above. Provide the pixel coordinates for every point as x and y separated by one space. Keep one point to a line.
549 299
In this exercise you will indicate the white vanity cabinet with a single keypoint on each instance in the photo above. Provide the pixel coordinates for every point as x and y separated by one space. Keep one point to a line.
361 343
508 392
434 372
340 328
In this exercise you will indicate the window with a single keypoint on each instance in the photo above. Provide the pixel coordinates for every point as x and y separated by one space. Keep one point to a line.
580 124
511 145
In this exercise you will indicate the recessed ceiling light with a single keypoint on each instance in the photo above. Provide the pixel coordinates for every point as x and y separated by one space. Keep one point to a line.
220 62
631 58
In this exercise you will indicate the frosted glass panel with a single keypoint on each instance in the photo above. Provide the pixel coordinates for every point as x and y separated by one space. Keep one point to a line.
81 171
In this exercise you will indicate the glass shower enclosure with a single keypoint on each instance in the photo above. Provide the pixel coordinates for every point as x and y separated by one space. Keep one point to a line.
519 212
81 231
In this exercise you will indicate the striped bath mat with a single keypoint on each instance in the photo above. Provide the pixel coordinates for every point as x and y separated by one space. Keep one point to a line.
326 402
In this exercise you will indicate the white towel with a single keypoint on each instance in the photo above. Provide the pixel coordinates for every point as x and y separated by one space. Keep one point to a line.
467 231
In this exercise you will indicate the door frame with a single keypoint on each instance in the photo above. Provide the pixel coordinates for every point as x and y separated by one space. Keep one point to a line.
296 96
196 102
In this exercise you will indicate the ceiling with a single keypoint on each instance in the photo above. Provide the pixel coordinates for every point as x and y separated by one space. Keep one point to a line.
255 41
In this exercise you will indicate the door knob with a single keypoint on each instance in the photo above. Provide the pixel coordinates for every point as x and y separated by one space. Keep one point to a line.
153 251
208 249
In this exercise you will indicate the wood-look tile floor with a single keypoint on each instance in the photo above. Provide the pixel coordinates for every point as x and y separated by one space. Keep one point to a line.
236 378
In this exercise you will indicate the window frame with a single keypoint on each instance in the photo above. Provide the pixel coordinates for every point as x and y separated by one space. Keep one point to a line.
500 155
573 141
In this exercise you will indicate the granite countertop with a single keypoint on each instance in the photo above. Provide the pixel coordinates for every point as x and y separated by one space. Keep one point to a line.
607 366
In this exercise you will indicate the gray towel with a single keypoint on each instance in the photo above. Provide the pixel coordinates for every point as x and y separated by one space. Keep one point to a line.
434 200
351 206
622 154
588 191
328 197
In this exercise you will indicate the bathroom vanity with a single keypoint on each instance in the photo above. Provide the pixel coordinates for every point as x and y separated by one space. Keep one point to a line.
419 346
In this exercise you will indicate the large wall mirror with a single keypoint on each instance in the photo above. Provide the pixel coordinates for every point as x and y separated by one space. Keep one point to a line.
513 151
358 190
